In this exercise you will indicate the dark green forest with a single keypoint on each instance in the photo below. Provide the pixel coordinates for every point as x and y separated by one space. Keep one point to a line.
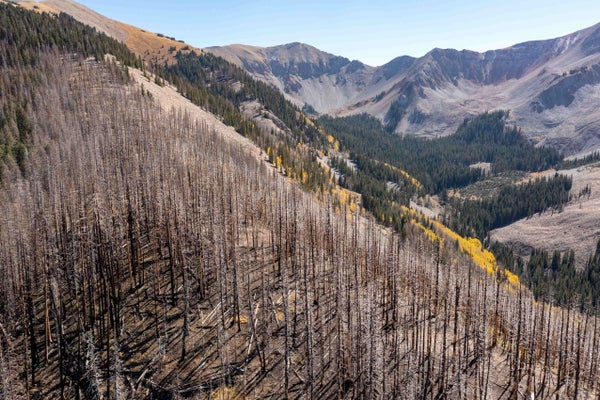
554 277
444 163
477 217
370 178
25 34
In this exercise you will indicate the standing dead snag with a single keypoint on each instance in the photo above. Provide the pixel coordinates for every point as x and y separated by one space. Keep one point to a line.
166 261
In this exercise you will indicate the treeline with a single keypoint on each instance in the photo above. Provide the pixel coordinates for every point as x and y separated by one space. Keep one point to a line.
578 162
383 190
554 276
444 163
222 88
513 202
363 135
24 34
214 73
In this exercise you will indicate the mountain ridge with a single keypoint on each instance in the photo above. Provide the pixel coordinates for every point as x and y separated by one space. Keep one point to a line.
551 87
149 254
429 96
150 46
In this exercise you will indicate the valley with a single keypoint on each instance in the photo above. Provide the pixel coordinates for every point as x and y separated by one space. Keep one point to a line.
284 223
550 86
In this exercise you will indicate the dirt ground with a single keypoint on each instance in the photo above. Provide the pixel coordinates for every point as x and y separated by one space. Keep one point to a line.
577 227
169 98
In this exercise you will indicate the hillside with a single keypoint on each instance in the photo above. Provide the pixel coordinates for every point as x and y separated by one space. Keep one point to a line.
299 63
549 86
305 74
149 251
153 47
576 227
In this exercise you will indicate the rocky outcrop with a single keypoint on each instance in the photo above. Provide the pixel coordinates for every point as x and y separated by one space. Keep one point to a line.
548 85
562 93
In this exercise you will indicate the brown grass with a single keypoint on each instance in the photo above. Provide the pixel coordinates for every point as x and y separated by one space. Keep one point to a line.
148 45
152 47
40 7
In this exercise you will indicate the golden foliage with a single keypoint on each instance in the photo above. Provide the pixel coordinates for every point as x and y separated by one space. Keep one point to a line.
472 247
243 319
304 176
345 197
414 181
225 393
430 234
512 278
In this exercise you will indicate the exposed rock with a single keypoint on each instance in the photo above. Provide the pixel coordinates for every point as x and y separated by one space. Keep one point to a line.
563 92
541 82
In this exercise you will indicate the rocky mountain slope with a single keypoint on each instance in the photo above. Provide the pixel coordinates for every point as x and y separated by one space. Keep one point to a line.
305 74
551 87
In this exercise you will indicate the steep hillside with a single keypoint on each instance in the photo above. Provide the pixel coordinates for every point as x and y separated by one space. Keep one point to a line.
305 74
147 251
153 47
576 227
549 86
251 108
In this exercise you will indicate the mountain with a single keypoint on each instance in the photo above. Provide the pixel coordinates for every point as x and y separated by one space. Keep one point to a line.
152 47
304 73
550 86
160 246
150 251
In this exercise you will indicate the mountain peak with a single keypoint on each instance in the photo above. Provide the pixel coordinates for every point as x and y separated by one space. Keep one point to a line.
541 81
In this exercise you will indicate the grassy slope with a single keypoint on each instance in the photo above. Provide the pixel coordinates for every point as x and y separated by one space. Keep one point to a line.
148 45
575 228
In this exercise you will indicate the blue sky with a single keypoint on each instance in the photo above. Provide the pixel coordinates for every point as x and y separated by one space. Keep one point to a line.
372 31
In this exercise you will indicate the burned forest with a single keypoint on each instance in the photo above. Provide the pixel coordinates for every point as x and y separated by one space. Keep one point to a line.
146 254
